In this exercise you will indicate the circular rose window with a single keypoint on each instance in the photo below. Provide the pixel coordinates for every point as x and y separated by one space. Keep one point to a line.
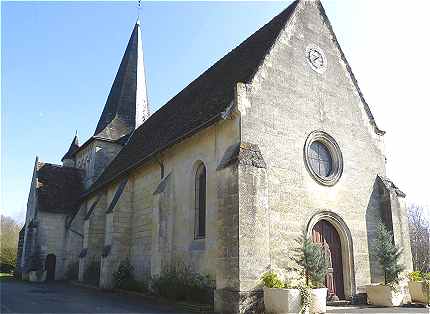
323 158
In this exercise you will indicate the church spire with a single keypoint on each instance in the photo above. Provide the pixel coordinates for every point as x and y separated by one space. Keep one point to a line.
72 149
127 105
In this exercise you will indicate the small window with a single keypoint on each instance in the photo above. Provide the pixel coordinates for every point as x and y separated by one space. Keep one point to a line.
323 158
200 202
320 159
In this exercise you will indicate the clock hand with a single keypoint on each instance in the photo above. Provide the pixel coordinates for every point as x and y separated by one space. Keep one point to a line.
316 58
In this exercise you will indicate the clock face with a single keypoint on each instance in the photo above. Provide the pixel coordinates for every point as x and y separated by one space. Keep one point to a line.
316 58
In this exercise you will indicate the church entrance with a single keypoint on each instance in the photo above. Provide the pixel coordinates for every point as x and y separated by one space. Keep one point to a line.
325 234
50 267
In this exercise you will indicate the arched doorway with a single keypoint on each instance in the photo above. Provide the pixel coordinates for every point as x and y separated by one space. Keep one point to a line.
325 234
50 267
337 226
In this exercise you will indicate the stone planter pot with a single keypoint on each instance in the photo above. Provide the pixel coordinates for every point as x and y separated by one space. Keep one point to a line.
37 276
381 295
418 292
282 301
318 301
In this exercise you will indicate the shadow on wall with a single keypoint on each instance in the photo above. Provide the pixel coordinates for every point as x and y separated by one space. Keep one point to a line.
378 209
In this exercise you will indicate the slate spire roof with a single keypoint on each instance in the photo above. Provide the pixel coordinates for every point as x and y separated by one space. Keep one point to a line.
204 101
126 107
199 104
74 146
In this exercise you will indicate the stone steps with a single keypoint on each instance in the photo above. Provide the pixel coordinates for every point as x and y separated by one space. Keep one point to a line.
339 303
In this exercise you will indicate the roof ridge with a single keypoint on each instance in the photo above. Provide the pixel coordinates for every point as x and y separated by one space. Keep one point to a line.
206 72
200 103
291 7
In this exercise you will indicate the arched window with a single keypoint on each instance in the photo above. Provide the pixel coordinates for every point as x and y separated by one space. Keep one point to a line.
200 202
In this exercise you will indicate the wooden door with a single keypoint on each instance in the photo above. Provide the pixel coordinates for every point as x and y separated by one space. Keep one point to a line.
50 267
325 234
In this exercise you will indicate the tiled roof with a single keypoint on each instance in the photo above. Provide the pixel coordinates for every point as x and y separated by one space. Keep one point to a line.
200 103
204 100
58 188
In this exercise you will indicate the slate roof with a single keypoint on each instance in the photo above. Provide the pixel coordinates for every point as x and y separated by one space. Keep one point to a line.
203 101
74 146
58 188
200 103
245 154
392 187
118 118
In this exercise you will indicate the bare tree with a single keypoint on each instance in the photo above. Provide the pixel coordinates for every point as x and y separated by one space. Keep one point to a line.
9 234
419 229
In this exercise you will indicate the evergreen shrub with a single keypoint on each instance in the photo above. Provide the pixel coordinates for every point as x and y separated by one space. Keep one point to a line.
271 280
179 283
124 278
312 260
388 255
92 273
72 271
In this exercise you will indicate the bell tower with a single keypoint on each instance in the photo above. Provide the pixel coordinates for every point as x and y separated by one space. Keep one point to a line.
126 108
127 105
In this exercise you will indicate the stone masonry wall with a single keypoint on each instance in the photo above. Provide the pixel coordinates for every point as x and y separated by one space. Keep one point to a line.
227 223
94 233
30 215
74 238
401 229
167 217
153 221
144 182
117 234
285 102
51 235
104 153
94 158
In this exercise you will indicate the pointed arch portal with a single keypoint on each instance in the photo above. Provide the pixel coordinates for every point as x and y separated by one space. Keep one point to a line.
331 231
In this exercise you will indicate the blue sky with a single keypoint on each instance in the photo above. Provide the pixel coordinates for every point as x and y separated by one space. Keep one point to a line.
59 60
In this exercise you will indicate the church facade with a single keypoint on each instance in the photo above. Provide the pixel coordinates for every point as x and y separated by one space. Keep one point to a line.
273 139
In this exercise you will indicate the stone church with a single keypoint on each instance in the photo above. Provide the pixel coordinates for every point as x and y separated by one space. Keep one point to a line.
273 139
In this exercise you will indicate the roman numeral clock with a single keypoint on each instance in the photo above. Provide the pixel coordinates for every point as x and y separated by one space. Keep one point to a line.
316 58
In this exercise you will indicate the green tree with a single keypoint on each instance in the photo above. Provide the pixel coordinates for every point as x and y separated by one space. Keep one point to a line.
313 261
9 234
388 254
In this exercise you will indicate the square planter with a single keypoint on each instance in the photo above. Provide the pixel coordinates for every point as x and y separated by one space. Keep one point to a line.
418 292
381 295
318 301
37 276
282 301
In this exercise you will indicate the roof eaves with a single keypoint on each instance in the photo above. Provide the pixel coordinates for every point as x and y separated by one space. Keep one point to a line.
97 186
92 138
293 7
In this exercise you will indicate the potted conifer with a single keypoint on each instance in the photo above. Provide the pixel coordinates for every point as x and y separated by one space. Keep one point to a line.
388 293
280 298
314 266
